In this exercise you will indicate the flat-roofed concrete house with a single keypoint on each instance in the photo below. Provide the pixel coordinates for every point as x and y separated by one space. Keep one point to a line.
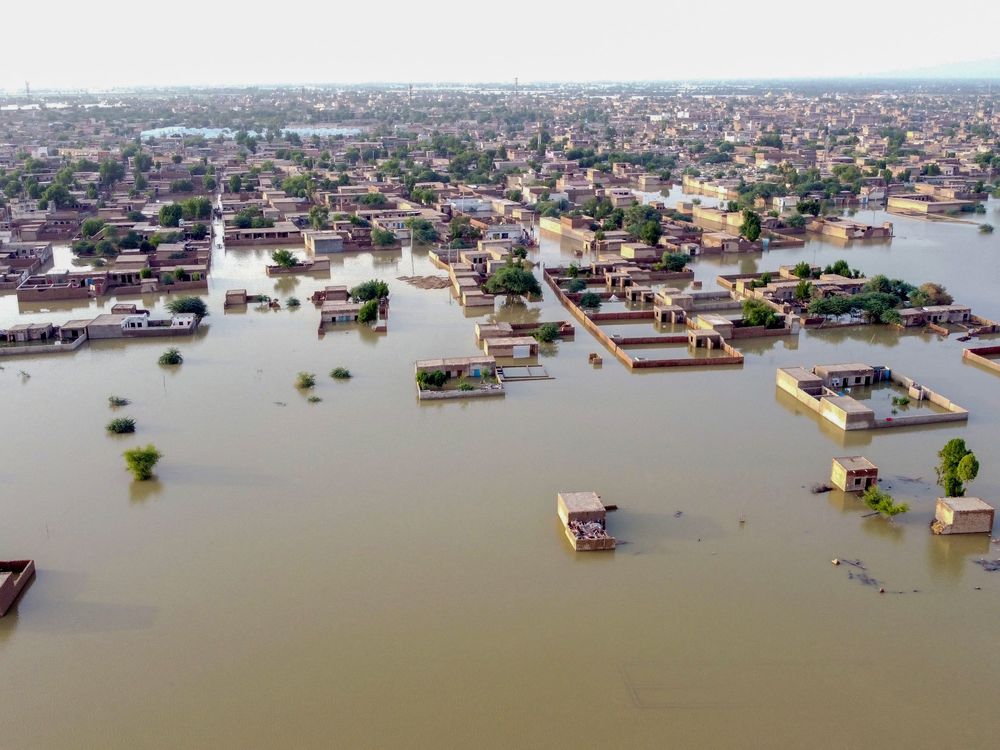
713 322
499 330
816 390
719 242
324 241
331 294
22 333
800 379
639 252
584 519
459 367
515 347
140 325
962 515
340 312
235 297
841 376
853 473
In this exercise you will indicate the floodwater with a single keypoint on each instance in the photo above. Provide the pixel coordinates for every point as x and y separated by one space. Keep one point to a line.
373 572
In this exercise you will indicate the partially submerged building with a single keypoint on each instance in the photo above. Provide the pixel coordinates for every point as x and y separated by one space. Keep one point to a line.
853 473
816 389
14 577
584 520
962 515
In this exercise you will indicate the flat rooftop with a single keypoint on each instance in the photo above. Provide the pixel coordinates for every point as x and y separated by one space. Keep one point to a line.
855 463
966 504
582 502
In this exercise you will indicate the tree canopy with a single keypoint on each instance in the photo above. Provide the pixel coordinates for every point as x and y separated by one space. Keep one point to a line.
513 280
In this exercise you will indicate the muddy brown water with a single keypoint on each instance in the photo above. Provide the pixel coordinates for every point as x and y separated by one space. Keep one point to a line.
369 571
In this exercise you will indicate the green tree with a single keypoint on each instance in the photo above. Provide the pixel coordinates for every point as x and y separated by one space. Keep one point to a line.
235 183
383 237
370 290
803 290
758 313
546 333
810 206
673 261
318 216
188 304
882 502
957 466
368 312
513 280
90 227
802 270
751 225
111 172
140 461
930 293
590 300
422 231
284 258
171 214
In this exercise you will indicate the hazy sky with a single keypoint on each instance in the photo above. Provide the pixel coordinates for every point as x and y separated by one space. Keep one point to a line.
108 43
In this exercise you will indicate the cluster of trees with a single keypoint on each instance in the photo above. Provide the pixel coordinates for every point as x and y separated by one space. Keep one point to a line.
461 233
252 218
434 379
422 231
643 223
880 298
318 216
672 262
373 289
383 237
758 313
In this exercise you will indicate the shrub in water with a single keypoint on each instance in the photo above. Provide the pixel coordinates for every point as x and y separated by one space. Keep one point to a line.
121 425
140 461
171 356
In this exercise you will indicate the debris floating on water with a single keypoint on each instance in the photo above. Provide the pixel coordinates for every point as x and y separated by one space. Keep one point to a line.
817 489
990 566
426 282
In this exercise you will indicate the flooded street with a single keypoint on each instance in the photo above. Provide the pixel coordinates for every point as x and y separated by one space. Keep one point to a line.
371 571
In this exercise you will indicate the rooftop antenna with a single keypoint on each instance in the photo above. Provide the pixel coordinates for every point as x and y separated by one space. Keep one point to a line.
409 96
515 91
27 88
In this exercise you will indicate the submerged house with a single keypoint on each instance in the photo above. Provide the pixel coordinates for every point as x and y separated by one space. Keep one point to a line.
584 520
853 473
